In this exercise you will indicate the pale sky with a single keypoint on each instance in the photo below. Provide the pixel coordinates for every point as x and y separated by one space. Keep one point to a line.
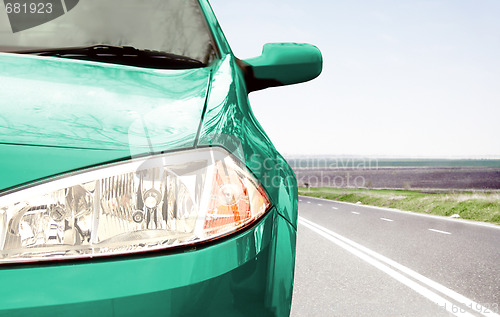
400 78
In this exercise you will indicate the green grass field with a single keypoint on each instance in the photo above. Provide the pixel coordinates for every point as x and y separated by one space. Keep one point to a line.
473 205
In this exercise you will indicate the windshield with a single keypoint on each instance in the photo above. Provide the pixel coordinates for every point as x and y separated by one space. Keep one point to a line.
172 26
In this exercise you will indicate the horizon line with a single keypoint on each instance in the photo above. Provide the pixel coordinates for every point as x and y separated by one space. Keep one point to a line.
374 156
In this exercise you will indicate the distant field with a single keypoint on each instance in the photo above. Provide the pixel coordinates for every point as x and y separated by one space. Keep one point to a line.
403 178
472 205
397 173
367 162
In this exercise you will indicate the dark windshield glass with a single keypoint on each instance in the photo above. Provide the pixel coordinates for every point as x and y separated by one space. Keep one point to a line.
173 26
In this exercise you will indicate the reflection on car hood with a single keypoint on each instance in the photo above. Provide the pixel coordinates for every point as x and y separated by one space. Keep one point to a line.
69 103
58 115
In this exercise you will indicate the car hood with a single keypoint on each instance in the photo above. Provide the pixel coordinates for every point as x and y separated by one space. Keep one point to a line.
61 114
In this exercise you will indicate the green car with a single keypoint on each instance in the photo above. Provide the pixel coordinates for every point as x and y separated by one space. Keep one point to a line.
135 180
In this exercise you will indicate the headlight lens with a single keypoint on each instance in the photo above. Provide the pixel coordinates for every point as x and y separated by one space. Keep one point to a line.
155 203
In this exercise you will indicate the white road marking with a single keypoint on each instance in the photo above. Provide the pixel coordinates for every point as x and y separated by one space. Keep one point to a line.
356 213
308 202
387 219
300 199
334 208
320 205
439 231
384 264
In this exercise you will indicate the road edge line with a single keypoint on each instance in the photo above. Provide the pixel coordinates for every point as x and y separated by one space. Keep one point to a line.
432 284
423 291
407 212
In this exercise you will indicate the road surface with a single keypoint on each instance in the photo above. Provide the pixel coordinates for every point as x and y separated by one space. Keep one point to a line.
355 260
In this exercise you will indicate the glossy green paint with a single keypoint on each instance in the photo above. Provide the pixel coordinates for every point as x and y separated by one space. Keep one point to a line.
251 273
83 104
23 164
287 63
79 114
232 278
229 122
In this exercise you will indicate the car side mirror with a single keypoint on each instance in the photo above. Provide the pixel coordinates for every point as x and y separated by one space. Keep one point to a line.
282 64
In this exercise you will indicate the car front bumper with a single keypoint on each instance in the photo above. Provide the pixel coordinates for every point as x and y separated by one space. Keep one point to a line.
248 274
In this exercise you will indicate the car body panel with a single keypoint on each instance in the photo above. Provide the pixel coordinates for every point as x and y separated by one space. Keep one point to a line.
229 122
163 119
23 164
262 158
84 104
249 273
113 111
213 279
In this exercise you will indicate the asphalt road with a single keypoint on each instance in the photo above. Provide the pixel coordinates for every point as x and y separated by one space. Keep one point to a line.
355 260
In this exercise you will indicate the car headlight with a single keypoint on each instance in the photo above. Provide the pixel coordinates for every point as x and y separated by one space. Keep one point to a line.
146 204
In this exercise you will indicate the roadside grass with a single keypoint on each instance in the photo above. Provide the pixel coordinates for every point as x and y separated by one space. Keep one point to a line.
473 205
